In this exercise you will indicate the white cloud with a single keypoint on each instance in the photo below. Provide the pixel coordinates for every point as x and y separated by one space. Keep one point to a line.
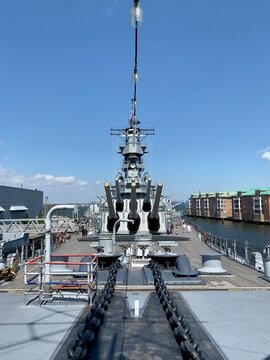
98 182
57 187
81 183
10 177
1 142
265 154
51 179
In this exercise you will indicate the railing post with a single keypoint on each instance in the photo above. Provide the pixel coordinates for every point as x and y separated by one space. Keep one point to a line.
89 286
48 238
22 254
220 244
41 247
33 249
216 242
234 249
114 230
267 261
267 250
26 251
246 252
226 247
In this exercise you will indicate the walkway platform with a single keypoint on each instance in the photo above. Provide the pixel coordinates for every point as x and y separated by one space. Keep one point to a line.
238 321
34 332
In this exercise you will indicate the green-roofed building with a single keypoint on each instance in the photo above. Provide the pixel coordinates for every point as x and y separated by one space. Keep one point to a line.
248 205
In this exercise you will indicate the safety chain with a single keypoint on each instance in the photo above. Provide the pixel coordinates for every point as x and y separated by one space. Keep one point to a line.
77 349
189 347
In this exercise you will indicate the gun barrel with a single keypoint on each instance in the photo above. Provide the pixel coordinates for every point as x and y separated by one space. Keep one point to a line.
146 201
147 196
154 212
117 187
133 201
119 200
112 213
133 215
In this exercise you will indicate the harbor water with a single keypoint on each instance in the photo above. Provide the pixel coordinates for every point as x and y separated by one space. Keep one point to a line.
256 235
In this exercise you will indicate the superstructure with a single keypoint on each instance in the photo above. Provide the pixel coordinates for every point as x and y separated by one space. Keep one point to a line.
134 204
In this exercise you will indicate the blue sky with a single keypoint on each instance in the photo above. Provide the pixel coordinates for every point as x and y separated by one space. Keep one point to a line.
65 79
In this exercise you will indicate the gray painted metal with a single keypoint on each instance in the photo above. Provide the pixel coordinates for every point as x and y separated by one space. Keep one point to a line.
211 264
267 267
9 247
239 322
124 337
33 332
183 267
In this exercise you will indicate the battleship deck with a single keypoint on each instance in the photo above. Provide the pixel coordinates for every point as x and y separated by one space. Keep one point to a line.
226 319
240 277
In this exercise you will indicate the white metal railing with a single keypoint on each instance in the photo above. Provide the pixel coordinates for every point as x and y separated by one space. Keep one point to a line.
67 283
238 251
34 226
33 271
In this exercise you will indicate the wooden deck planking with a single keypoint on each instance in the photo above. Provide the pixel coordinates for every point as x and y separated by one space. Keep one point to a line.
241 277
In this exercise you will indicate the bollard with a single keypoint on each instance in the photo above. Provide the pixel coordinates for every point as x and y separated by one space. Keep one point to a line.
211 264
267 250
267 267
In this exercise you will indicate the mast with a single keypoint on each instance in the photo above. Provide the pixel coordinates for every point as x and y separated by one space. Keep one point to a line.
136 20
133 151
133 196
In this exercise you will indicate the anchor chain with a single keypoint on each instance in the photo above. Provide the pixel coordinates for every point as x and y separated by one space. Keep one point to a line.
77 349
189 346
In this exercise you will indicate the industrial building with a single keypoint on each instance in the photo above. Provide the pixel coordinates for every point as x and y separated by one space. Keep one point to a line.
19 203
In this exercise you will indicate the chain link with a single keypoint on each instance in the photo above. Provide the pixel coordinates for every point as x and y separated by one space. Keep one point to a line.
77 349
182 332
